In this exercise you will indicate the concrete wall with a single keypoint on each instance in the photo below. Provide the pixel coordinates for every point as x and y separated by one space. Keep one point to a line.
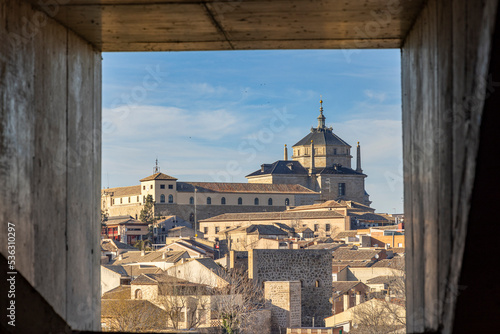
445 80
50 159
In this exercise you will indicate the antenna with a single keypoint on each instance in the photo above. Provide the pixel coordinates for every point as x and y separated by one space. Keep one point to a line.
156 169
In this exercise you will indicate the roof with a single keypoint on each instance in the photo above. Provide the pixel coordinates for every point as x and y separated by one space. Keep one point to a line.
382 279
284 215
368 216
204 245
113 245
347 254
303 229
395 263
226 187
321 136
345 234
259 229
135 270
122 220
120 292
156 256
109 306
281 167
158 176
332 246
341 287
209 264
337 169
116 268
123 191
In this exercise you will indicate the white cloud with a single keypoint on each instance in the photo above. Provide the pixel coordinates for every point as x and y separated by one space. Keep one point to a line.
379 96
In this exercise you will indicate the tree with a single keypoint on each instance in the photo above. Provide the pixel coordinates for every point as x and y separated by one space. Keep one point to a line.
147 213
144 245
185 303
386 313
238 302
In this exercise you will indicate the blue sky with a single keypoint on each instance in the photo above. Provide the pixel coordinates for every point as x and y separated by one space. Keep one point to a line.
217 116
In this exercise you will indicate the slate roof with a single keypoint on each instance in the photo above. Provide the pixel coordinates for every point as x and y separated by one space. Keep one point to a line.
209 264
337 169
341 287
259 229
158 176
281 167
123 191
321 136
225 187
135 257
285 215
201 245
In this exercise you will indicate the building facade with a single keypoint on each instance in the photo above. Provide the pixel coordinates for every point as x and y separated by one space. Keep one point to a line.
321 161
201 200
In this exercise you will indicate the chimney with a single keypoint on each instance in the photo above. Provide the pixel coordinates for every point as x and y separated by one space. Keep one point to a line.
311 169
163 256
358 160
286 153
143 252
120 257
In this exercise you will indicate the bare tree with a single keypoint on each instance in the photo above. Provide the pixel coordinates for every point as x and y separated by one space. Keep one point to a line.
184 302
386 313
237 304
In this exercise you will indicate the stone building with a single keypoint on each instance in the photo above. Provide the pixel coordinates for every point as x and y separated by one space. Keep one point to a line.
202 199
312 268
321 161
283 298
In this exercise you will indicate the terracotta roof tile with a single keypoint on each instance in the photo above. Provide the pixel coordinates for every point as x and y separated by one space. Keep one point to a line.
123 191
221 187
285 215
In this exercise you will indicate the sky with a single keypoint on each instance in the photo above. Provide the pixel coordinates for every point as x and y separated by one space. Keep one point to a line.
216 116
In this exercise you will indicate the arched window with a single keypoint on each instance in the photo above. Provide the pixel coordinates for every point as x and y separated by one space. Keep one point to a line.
287 202
256 201
191 200
209 200
240 201
170 198
317 284
138 294
162 198
223 200
270 201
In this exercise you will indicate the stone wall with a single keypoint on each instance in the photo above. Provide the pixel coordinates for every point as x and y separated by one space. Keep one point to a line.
283 298
313 268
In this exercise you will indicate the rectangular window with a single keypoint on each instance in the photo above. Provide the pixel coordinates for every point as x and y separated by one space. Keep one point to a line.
400 244
151 187
205 230
316 227
334 151
121 200
341 189
170 186
143 187
216 229
327 227
137 199
162 186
